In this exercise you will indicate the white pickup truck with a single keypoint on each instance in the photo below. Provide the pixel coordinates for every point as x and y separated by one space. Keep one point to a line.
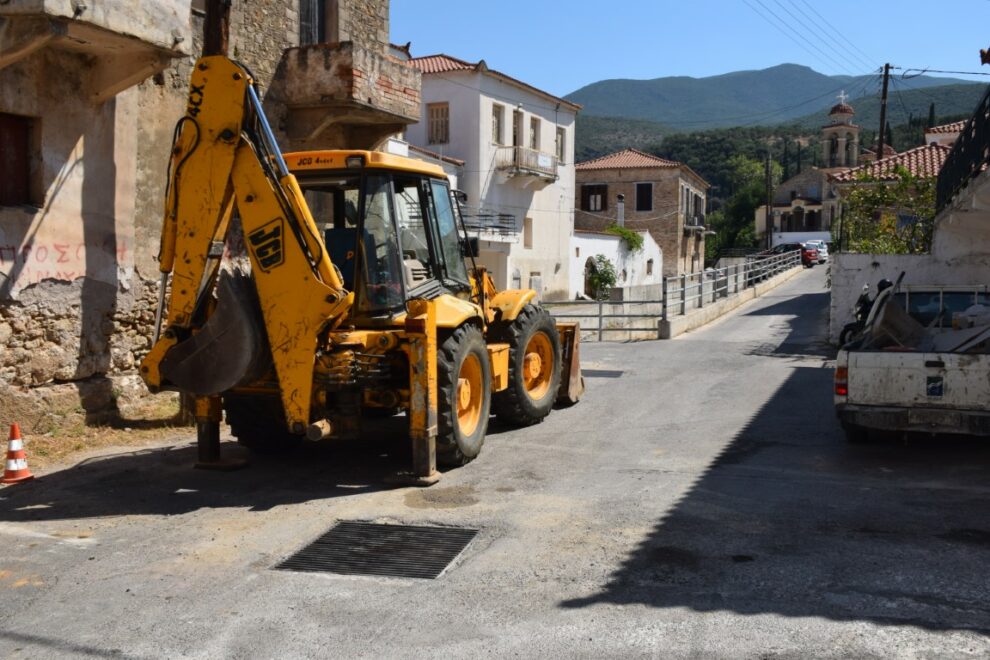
921 364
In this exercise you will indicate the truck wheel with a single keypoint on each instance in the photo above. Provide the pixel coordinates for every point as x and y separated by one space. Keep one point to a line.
464 384
258 423
534 367
856 435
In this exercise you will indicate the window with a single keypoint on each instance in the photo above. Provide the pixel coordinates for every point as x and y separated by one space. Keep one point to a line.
534 133
593 197
561 144
649 266
15 160
312 21
536 282
517 123
450 240
438 118
528 233
577 252
498 118
644 196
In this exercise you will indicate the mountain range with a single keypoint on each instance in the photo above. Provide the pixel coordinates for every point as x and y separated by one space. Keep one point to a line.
783 94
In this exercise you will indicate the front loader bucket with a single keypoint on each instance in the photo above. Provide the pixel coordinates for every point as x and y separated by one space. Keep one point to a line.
571 380
229 350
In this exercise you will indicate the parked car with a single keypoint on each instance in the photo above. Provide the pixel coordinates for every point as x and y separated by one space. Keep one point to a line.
822 248
809 255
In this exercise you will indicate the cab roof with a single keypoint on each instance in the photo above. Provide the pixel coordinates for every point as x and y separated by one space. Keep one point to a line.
336 159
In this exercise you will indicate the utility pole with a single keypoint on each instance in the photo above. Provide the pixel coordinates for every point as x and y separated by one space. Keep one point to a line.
769 182
216 27
883 110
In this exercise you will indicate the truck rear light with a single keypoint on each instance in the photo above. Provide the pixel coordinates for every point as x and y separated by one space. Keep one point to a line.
842 381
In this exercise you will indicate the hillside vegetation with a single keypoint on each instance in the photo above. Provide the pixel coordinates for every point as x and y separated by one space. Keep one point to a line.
780 94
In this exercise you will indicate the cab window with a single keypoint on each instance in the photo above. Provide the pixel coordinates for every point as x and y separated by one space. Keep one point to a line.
449 237
419 263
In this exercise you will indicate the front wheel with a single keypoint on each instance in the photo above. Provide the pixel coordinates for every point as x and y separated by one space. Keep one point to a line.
534 367
464 379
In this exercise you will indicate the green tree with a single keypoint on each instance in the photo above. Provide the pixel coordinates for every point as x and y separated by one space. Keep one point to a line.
931 115
888 217
889 139
601 276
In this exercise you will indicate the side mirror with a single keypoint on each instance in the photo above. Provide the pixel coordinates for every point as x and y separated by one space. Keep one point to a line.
469 248
459 195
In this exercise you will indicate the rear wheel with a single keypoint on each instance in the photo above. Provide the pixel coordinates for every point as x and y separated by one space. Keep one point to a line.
258 423
464 379
534 367
856 435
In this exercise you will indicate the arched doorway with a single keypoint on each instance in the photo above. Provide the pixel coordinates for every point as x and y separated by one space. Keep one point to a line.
589 271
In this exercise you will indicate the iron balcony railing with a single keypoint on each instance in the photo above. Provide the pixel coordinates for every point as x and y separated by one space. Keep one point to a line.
526 161
969 155
486 221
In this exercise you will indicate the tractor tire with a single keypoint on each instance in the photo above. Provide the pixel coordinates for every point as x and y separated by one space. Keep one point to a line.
258 423
464 384
532 388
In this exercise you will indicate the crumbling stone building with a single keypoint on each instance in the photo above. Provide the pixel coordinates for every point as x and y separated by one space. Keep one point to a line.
89 95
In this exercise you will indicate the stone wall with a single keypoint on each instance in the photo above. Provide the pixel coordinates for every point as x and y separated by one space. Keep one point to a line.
364 22
72 331
664 221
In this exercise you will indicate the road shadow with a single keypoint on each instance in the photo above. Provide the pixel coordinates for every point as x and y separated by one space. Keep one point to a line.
806 316
162 481
792 521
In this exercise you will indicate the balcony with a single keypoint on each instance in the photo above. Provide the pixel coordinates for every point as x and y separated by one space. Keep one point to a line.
343 96
962 194
124 42
969 156
538 168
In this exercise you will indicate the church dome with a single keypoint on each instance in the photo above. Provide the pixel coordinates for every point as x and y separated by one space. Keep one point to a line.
841 109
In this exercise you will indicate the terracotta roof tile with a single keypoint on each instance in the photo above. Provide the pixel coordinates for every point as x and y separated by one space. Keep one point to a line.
441 63
923 162
628 158
954 127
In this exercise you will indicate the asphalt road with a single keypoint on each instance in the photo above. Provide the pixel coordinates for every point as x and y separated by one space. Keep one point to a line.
699 502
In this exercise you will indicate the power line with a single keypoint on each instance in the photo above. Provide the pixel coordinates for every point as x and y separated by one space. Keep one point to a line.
816 33
925 70
784 30
837 32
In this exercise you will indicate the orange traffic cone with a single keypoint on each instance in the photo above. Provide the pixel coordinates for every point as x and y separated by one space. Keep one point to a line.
16 470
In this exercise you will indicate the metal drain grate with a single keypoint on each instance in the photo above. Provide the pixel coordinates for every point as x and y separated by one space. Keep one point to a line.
357 548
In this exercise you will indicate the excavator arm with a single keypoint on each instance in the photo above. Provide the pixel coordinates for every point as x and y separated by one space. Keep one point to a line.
225 158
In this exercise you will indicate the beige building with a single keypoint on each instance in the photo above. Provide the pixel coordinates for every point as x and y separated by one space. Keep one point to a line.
89 95
806 205
661 196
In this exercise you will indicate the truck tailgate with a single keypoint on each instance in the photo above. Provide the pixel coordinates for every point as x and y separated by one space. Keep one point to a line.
932 380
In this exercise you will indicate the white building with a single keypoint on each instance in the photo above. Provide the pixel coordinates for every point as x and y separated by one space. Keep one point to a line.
518 146
645 266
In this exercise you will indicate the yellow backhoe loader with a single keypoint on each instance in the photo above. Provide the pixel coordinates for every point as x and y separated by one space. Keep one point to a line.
358 301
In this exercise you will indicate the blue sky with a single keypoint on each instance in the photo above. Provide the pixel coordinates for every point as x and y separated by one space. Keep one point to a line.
561 46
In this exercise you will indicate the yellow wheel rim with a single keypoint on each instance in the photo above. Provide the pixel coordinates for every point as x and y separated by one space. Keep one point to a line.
469 395
538 366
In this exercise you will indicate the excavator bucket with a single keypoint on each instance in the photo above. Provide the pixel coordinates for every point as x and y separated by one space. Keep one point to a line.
571 380
229 350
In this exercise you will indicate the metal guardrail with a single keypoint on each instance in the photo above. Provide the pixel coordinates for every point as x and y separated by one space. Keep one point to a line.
682 294
969 156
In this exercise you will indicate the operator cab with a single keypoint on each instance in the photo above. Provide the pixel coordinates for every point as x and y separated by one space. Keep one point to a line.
389 225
